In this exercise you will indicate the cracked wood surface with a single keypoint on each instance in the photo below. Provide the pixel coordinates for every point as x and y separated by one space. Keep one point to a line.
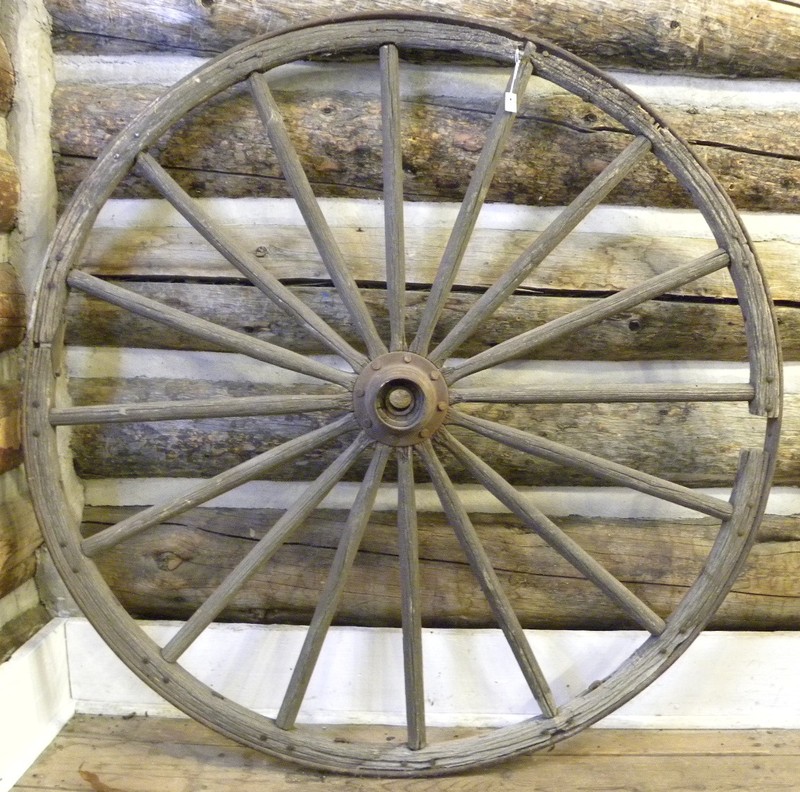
6 79
168 571
656 330
220 149
730 37
695 444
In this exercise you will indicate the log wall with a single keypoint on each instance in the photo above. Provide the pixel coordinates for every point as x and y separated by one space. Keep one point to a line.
218 154
19 533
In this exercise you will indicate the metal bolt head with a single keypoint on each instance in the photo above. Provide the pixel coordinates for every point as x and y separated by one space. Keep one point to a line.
424 432
441 406
406 358
400 398
359 392
434 375
376 364
261 251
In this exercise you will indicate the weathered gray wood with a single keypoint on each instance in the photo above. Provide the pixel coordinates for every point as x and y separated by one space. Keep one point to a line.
9 192
597 394
6 79
536 521
731 38
544 244
496 139
694 444
219 484
211 231
656 330
318 227
331 594
484 571
754 154
584 317
175 683
292 519
287 404
394 223
209 331
600 468
410 598
657 559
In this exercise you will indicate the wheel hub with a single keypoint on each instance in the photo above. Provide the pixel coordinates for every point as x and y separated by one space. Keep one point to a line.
400 398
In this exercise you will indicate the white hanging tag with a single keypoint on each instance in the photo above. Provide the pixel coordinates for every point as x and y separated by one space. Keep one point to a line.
510 96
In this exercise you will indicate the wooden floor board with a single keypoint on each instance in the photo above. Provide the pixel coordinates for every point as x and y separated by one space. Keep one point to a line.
94 754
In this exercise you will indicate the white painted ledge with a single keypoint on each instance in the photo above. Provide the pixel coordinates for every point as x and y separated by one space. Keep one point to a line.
726 680
36 700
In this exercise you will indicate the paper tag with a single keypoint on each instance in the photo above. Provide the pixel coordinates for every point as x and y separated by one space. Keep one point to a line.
511 102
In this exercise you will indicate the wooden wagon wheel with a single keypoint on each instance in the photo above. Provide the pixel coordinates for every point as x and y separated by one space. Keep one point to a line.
400 397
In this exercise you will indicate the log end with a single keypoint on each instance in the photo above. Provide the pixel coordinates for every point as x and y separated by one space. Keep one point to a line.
9 192
6 80
12 308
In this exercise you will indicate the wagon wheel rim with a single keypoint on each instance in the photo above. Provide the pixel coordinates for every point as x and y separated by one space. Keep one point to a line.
400 397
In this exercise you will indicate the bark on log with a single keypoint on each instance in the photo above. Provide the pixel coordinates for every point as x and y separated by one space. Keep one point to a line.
19 539
669 330
12 308
10 440
731 37
6 80
168 571
9 192
695 444
221 149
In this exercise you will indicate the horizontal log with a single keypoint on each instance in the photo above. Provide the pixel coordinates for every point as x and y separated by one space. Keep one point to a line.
10 440
732 37
6 79
12 308
695 444
584 262
657 330
19 540
168 571
221 149
9 192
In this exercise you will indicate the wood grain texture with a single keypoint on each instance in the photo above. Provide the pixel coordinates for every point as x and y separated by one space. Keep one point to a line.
19 539
669 330
10 440
12 308
732 37
9 192
172 754
168 571
755 154
6 79
693 444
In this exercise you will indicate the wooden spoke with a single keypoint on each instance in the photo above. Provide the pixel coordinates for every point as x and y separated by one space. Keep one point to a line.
208 331
474 198
484 572
410 596
283 297
393 196
218 485
242 407
320 231
592 313
602 469
540 248
332 593
292 519
605 394
587 565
